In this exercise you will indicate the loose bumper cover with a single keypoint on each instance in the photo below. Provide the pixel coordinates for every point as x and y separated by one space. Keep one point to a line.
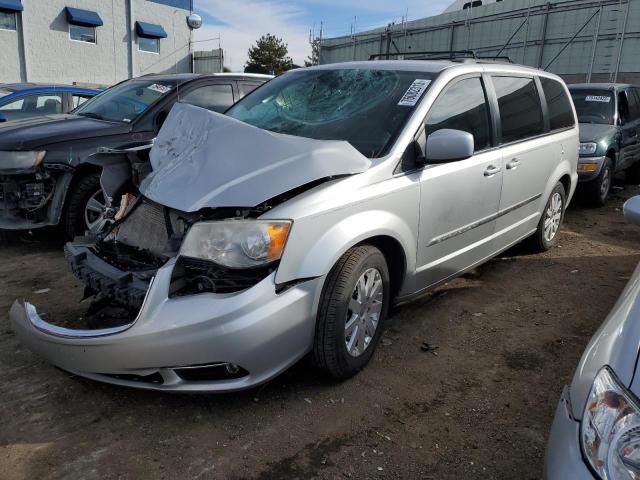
258 330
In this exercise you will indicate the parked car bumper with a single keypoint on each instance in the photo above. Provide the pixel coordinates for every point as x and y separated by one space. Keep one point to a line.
564 457
259 330
589 168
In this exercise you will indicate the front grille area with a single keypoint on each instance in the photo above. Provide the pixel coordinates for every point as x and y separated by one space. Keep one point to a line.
145 228
192 276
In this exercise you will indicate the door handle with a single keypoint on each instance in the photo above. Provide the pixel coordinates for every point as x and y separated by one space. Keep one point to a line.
492 170
513 164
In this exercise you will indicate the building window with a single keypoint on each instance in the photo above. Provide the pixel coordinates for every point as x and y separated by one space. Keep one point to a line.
80 33
477 3
151 45
8 21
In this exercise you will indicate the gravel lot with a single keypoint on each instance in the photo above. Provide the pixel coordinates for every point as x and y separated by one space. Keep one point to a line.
509 338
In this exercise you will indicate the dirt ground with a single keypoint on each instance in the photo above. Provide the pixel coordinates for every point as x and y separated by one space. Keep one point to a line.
509 338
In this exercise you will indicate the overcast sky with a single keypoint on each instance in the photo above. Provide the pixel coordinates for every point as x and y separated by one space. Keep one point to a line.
240 22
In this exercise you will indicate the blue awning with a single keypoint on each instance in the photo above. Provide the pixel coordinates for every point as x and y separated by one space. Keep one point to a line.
11 5
86 18
150 30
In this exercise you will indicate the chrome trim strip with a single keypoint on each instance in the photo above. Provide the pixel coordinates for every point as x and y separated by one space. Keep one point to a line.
61 332
482 221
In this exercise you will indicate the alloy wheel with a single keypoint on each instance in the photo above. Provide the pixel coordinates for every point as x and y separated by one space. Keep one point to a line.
553 217
363 312
95 212
605 184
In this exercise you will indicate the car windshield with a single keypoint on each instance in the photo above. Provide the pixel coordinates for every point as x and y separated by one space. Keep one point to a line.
4 92
127 101
367 108
594 106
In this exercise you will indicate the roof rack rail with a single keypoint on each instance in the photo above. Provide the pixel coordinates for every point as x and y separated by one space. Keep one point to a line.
433 54
454 55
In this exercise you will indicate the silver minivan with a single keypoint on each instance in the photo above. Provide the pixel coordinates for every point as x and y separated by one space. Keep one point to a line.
288 226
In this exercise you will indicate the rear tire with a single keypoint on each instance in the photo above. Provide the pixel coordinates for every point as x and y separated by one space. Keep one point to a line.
82 190
546 235
353 307
596 191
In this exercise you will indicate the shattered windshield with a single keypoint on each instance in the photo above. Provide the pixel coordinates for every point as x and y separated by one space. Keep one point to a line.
127 101
594 106
367 108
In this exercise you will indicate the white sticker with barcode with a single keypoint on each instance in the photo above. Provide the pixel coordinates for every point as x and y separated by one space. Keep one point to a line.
414 93
157 87
598 98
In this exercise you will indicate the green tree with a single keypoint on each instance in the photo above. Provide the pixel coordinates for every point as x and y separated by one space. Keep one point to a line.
314 58
269 55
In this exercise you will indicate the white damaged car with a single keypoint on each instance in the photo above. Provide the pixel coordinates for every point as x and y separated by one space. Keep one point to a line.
290 225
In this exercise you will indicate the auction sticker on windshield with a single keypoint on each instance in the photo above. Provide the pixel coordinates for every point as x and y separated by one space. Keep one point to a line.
598 98
156 87
414 93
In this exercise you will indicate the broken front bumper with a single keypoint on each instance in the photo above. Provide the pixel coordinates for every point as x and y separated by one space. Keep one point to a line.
259 330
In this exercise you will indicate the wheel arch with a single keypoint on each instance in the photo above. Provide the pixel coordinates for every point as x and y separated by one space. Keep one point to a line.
393 237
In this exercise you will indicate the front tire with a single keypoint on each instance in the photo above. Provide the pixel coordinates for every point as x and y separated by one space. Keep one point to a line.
83 203
546 235
596 191
353 308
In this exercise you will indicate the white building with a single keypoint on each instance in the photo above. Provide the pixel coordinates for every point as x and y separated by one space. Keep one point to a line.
92 41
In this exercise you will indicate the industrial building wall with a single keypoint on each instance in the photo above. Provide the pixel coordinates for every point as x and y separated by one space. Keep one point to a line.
41 50
534 32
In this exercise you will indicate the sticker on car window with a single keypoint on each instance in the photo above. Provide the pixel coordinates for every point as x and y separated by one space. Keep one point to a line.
598 98
414 93
156 87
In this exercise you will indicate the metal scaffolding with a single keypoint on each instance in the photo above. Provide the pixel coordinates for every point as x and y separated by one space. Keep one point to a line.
583 40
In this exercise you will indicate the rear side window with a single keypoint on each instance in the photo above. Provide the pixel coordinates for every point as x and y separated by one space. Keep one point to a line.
462 107
78 100
520 109
212 97
558 103
248 87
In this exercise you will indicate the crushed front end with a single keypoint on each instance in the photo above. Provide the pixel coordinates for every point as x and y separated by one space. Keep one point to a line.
31 193
165 321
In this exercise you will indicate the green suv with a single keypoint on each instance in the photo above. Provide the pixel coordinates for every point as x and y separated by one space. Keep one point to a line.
609 116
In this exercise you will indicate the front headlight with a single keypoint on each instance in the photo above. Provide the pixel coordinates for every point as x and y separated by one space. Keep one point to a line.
21 160
237 243
588 148
610 432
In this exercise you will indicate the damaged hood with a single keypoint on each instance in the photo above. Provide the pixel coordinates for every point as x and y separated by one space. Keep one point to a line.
204 159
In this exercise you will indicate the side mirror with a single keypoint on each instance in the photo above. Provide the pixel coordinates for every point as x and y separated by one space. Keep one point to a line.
449 146
2 118
631 210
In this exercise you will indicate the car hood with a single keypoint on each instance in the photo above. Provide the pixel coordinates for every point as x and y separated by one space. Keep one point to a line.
615 344
591 132
202 159
29 133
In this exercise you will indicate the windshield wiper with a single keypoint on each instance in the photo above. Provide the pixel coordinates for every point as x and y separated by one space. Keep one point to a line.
91 115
